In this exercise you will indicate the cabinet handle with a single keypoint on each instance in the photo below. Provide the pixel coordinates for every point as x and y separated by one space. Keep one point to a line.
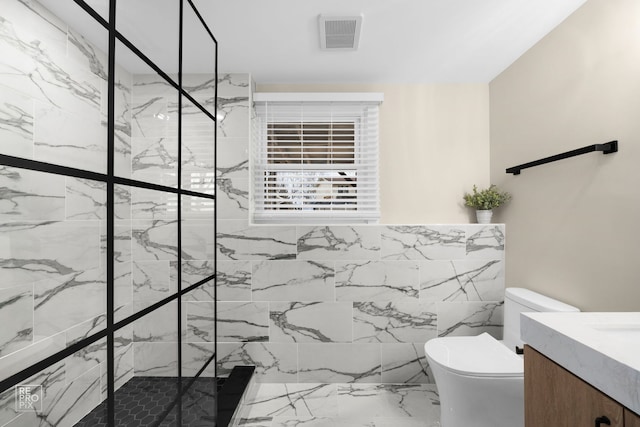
602 420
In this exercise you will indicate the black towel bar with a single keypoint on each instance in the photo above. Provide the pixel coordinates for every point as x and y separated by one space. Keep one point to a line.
606 148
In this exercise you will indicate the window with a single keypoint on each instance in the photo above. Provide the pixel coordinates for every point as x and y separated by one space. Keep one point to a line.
315 158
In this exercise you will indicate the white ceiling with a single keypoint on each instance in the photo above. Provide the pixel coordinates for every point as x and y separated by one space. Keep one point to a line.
277 41
402 41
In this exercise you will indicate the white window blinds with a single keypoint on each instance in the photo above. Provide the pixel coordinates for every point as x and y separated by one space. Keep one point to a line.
315 161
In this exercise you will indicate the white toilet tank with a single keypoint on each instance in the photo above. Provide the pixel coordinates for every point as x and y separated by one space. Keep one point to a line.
520 300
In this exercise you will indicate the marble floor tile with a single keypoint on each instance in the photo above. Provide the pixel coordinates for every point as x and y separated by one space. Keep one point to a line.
349 422
256 422
293 399
404 422
343 405
388 400
303 421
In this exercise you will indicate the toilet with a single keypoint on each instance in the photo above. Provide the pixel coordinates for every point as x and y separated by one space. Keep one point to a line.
480 380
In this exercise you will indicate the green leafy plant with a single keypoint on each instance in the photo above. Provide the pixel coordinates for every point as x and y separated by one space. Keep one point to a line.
486 199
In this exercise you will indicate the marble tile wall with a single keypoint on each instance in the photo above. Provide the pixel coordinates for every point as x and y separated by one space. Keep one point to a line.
52 228
343 304
53 108
348 314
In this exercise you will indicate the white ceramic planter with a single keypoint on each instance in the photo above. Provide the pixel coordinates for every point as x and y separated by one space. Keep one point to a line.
484 216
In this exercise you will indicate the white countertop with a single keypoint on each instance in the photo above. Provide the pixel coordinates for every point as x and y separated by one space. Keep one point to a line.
601 348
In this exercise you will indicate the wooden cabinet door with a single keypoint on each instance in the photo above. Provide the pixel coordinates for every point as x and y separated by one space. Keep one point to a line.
631 419
554 397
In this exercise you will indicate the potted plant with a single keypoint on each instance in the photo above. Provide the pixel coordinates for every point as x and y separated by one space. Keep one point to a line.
484 201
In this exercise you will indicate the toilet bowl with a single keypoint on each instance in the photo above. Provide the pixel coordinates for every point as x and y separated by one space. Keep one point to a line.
480 380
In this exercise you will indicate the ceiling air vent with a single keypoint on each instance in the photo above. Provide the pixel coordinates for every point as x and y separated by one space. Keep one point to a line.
340 32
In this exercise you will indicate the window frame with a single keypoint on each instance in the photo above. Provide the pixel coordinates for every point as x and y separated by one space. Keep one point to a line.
364 213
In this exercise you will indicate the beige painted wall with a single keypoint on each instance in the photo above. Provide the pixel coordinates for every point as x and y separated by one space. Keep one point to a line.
574 225
434 145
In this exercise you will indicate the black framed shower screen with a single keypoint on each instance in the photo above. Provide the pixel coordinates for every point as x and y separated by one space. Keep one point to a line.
178 197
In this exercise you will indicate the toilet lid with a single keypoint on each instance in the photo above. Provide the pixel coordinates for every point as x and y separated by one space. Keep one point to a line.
481 355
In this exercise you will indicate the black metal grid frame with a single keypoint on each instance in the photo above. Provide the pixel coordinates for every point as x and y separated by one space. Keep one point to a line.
111 180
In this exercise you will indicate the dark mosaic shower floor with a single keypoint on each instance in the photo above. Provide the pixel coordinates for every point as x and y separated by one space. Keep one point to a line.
149 401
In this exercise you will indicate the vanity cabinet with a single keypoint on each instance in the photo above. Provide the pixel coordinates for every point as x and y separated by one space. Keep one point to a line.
555 397
631 419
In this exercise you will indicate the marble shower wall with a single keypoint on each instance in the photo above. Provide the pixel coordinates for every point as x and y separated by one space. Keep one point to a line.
150 273
336 304
53 108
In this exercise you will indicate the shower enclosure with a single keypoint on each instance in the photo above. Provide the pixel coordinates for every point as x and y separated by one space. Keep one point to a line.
107 215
